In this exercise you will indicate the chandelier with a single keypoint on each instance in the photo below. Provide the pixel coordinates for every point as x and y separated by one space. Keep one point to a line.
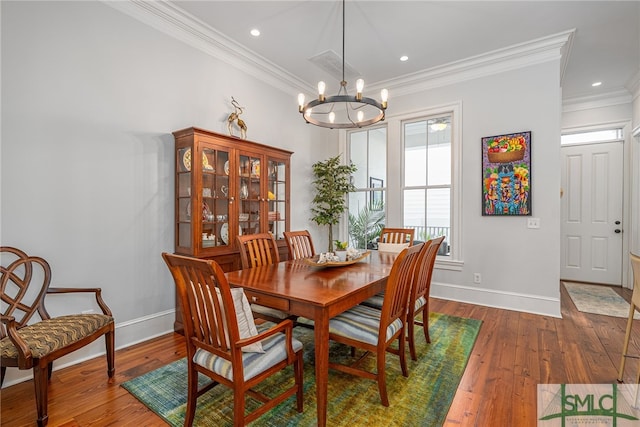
343 111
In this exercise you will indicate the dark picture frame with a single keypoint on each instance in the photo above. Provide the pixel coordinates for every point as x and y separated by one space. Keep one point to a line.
375 197
506 174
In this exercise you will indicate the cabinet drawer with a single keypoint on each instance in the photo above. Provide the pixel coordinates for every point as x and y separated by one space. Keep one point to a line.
267 300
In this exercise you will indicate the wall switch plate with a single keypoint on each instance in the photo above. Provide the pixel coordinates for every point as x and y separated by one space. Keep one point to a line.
533 222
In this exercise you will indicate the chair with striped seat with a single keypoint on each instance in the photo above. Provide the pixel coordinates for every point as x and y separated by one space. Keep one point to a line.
635 305
299 244
26 343
419 294
376 330
223 342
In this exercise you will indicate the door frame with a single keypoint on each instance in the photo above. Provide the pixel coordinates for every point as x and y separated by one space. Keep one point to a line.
629 229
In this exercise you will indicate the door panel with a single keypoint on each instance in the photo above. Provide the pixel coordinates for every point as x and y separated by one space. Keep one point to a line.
591 250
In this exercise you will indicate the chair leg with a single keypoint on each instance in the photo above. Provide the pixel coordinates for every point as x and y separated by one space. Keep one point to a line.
625 346
299 373
403 354
238 408
410 337
41 385
110 345
382 384
192 395
3 371
425 321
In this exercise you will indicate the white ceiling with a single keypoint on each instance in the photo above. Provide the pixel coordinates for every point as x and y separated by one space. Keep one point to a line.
605 46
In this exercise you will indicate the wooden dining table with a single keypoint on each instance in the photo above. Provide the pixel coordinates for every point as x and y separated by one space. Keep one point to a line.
317 293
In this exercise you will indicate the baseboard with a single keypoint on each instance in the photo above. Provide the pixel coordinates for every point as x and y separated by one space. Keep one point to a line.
127 334
528 303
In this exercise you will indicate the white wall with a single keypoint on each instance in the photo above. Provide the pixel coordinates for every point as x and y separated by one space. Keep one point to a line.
90 98
520 267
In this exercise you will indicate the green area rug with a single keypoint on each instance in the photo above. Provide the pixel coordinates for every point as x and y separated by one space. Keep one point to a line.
598 299
422 399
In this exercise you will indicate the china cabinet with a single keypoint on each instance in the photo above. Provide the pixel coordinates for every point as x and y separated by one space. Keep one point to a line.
225 187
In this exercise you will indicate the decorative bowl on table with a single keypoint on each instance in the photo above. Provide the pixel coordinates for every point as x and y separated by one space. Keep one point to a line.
329 259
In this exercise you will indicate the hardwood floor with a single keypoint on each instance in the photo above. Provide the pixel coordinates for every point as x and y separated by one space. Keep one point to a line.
514 352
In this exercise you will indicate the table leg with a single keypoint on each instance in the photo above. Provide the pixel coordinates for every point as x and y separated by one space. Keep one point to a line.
321 328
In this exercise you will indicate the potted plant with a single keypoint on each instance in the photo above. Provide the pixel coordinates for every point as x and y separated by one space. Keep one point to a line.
366 225
332 183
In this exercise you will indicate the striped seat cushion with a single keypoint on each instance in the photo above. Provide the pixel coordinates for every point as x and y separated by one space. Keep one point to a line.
375 301
361 323
50 335
275 351
420 302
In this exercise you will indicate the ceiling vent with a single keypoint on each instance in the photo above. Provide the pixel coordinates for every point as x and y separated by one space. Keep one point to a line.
331 62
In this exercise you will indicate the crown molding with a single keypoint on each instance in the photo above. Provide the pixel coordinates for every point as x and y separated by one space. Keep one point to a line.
497 61
608 99
173 21
170 19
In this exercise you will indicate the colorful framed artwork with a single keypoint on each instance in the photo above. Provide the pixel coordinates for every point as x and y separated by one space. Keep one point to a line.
506 174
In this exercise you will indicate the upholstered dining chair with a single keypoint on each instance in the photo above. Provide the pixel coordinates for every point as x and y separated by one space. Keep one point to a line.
299 244
257 250
376 330
419 295
635 305
223 342
29 343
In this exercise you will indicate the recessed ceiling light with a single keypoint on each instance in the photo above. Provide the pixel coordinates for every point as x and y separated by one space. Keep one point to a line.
404 58
596 84
255 32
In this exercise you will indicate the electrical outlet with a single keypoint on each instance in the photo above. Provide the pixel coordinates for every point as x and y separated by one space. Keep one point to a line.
477 278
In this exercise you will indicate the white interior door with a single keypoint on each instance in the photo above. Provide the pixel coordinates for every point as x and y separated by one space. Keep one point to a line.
591 228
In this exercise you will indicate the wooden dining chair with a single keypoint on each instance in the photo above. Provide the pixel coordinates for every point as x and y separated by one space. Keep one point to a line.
27 343
635 305
397 235
257 250
223 342
299 244
376 330
419 295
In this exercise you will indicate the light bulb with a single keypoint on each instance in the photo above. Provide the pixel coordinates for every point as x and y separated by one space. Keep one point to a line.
359 85
384 95
360 115
332 117
321 87
300 101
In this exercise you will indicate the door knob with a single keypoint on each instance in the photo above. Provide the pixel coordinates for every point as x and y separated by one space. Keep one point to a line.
617 222
617 230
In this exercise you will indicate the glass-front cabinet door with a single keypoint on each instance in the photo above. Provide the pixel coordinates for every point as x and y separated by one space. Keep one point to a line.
277 176
250 194
215 199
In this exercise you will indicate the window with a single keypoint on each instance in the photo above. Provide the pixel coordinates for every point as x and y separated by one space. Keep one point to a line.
427 178
603 135
368 152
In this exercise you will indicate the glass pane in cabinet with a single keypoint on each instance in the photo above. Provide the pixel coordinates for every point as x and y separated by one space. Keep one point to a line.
184 234
216 198
249 216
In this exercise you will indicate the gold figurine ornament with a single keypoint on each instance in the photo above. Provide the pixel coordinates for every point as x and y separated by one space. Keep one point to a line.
235 117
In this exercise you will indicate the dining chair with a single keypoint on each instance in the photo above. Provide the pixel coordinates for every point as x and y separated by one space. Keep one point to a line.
375 331
257 250
419 294
635 305
299 243
397 235
29 343
223 342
